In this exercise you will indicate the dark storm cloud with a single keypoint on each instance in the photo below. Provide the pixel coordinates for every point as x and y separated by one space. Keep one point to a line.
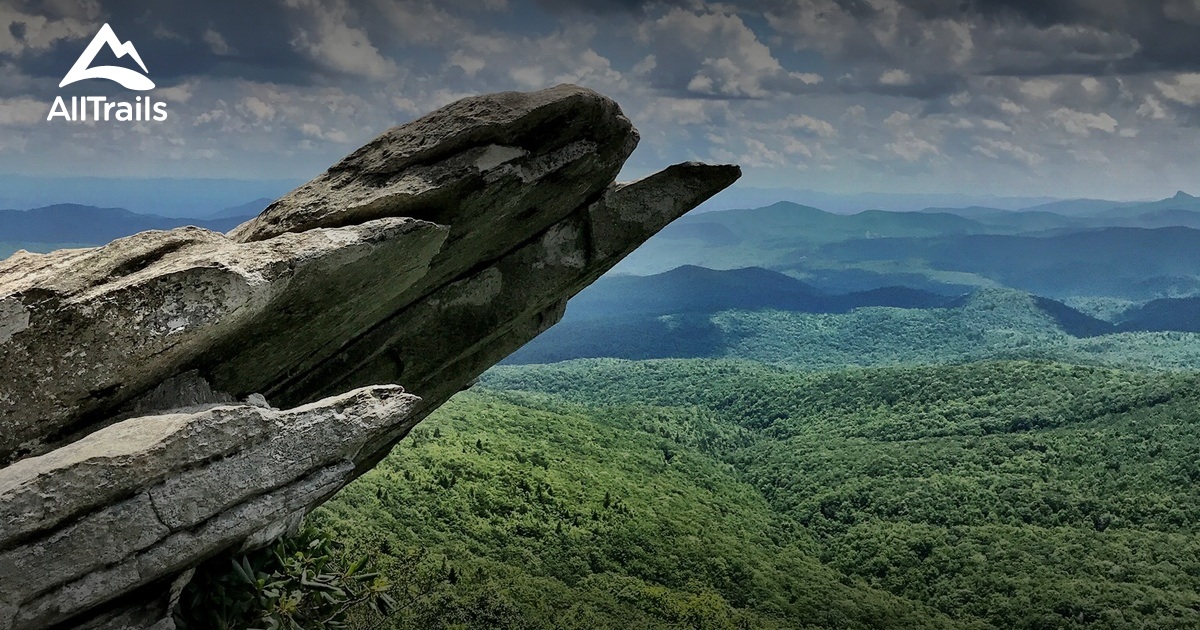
258 40
1167 32
1039 12
939 43
878 93
610 7
248 39
1050 36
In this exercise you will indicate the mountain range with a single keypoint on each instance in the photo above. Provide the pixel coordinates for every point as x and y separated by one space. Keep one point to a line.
697 312
691 289
46 227
1136 252
1139 257
162 196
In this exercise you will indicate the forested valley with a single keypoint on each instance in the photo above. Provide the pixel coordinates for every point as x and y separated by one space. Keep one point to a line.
848 433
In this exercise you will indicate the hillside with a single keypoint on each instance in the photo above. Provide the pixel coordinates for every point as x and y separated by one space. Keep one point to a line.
761 315
1165 314
959 487
524 511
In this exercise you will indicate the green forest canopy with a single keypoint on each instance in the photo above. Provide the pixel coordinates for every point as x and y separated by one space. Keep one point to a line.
998 494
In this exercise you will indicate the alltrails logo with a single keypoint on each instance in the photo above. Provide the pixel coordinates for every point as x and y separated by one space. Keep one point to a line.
100 108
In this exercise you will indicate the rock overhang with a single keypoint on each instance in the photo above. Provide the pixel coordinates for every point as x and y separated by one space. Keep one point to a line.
421 259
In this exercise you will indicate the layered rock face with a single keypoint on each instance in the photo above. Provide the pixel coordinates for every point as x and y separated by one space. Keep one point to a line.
175 395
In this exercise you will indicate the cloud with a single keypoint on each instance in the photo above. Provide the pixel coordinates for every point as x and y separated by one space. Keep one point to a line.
493 62
990 93
22 111
897 119
23 33
1026 49
911 148
1083 123
1187 11
814 126
470 64
995 125
180 93
216 42
759 155
895 77
792 146
422 21
1005 150
716 54
314 131
1183 88
1153 109
940 45
1042 89
1090 156
256 107
333 43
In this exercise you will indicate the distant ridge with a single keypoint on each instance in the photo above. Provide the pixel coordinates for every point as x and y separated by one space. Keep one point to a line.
789 236
695 312
690 289
1178 314
787 220
162 196
89 225
249 209
1079 207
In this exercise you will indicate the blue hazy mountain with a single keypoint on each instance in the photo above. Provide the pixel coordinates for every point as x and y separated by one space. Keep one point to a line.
1137 252
88 225
249 209
736 197
1134 263
1079 207
786 220
167 197
1084 208
1180 202
691 289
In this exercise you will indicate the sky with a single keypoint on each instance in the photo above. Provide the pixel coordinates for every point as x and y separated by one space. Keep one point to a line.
1062 98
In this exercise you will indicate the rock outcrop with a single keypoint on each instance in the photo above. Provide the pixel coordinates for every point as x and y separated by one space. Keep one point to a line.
136 437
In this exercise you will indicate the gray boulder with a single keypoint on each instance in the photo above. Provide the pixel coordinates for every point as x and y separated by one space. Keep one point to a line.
420 260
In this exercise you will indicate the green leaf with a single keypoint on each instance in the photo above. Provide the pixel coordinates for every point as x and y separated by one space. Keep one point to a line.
355 566
243 573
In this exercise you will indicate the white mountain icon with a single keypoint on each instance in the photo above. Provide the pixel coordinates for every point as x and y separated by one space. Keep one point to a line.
126 77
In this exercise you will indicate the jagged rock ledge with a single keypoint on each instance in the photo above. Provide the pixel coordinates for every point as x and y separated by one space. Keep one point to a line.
419 260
